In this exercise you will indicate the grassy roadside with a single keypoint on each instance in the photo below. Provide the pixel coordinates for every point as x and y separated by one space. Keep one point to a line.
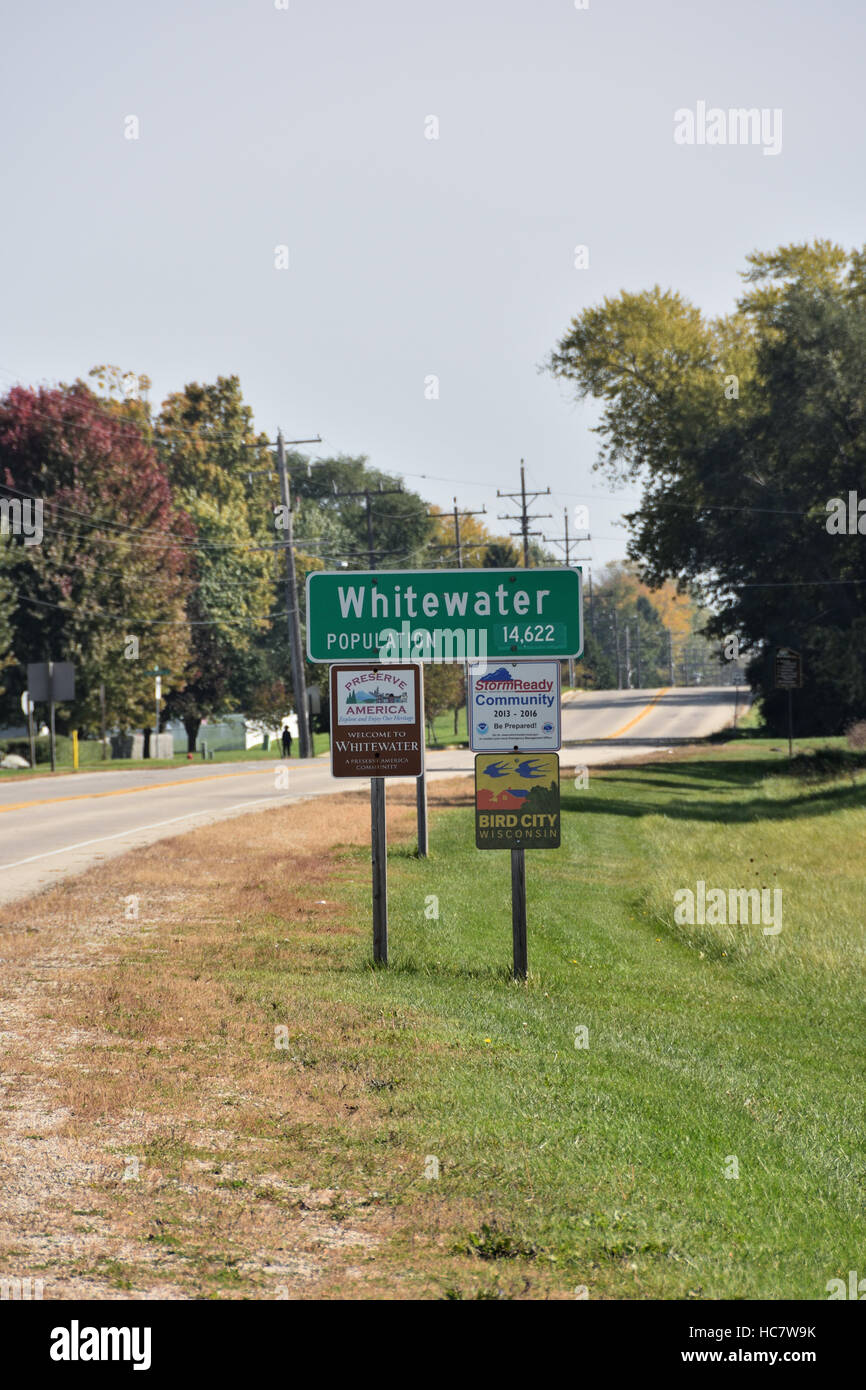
307 1165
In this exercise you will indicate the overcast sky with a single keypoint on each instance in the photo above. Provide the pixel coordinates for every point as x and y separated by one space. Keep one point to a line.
409 257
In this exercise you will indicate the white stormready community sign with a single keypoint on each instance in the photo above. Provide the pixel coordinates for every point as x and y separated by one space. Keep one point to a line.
514 705
375 696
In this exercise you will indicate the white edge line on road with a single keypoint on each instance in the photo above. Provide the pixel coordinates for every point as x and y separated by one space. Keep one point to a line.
136 830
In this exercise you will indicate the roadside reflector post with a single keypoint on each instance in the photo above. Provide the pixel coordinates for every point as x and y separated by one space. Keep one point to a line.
421 799
380 870
518 912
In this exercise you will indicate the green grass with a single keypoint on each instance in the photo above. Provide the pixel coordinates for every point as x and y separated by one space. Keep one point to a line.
443 729
706 1044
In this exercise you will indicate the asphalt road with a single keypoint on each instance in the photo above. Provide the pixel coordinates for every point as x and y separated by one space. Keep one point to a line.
53 827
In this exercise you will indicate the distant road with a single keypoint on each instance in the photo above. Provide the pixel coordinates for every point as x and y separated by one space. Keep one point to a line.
53 827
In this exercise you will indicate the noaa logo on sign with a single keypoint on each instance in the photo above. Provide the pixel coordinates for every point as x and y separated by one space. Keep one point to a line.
548 728
482 728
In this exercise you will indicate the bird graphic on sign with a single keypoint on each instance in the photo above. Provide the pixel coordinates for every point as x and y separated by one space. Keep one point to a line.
529 769
496 770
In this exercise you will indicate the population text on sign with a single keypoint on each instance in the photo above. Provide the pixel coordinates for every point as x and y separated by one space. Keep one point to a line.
517 801
443 615
514 705
377 717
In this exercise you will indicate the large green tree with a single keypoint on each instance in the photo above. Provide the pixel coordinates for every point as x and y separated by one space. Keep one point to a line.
214 460
106 584
741 430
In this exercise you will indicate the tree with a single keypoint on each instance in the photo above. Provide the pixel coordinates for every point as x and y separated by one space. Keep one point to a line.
741 430
444 688
400 523
501 554
213 457
106 586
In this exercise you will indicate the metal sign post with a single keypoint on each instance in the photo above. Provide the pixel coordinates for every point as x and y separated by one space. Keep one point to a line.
518 913
377 731
421 807
53 681
379 855
517 807
51 722
788 670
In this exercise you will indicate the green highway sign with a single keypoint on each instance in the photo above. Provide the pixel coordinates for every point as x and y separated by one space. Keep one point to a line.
444 615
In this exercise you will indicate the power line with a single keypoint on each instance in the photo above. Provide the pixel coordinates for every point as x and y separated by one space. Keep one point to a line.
459 545
523 516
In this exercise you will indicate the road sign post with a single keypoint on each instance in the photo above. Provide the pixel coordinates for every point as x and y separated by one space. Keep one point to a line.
377 731
520 968
421 808
517 808
788 671
53 681
443 615
379 857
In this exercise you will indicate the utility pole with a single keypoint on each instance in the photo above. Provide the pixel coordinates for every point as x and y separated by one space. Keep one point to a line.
637 635
567 541
526 500
627 657
293 612
367 494
458 544
671 656
299 684
616 639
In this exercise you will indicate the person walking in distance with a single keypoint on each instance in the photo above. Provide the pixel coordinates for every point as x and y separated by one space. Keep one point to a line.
287 741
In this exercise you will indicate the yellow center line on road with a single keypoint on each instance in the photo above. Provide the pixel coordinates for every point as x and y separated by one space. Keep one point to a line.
631 723
130 791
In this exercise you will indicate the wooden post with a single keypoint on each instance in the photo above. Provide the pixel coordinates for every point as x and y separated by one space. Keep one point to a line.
790 725
421 800
380 870
518 912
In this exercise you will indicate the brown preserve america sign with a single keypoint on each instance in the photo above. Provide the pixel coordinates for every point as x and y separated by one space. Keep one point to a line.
377 717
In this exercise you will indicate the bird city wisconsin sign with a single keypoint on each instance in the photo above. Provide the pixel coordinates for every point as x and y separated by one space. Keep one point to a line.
517 801
443 615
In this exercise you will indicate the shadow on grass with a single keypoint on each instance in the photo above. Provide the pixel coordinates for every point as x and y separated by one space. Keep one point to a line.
807 799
